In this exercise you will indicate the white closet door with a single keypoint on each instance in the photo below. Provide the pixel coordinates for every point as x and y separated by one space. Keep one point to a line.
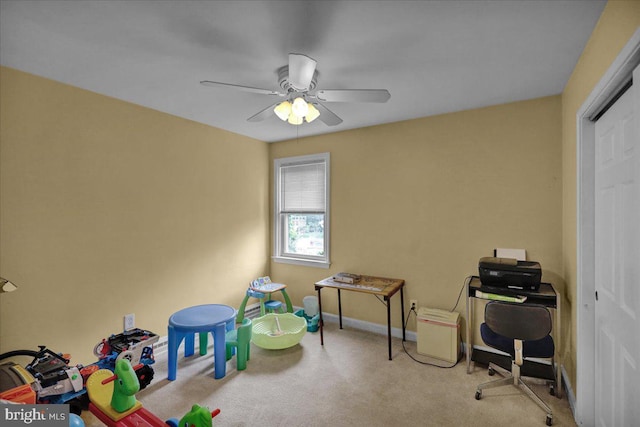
617 265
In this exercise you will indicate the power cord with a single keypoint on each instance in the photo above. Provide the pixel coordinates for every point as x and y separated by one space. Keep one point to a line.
413 310
466 281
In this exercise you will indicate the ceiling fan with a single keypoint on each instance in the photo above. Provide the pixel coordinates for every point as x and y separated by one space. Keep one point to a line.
302 100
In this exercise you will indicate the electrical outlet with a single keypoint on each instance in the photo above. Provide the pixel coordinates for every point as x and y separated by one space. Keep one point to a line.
413 304
129 321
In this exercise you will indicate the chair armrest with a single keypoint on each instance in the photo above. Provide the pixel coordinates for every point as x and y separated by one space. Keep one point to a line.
517 344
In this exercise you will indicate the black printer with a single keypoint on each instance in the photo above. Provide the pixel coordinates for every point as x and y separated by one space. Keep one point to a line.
509 273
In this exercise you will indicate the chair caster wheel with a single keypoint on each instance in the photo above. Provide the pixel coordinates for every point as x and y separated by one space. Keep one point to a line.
479 395
552 391
491 372
549 420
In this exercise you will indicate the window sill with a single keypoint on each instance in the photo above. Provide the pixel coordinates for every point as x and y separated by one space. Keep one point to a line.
299 261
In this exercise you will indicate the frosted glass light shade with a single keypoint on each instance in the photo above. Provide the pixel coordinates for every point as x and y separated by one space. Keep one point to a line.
295 120
312 114
283 110
300 107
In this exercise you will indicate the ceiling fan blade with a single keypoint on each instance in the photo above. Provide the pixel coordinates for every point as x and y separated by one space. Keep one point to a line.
301 69
264 114
242 88
327 116
353 95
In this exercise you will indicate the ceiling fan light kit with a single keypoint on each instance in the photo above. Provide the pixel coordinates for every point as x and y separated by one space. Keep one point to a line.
296 112
299 81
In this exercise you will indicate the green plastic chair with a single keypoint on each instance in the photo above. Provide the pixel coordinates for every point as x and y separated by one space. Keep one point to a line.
240 340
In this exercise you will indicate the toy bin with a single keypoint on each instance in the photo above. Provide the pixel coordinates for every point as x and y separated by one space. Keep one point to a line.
264 330
438 334
312 322
310 312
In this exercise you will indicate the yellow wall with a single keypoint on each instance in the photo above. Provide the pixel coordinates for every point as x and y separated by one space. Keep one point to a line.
424 199
618 22
108 208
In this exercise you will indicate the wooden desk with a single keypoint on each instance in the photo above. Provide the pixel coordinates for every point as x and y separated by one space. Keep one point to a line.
377 286
546 295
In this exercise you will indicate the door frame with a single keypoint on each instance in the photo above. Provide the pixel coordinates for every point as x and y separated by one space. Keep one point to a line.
615 77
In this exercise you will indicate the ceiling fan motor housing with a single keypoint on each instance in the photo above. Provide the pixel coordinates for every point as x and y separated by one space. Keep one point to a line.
283 81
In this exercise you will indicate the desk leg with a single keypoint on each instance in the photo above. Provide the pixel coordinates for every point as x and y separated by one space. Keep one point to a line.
404 327
469 326
173 353
189 344
240 315
388 301
340 308
320 322
219 351
287 301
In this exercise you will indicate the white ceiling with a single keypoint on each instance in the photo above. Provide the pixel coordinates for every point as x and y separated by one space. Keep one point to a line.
433 56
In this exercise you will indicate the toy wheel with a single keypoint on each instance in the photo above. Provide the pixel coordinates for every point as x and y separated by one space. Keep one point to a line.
491 372
145 375
478 394
79 404
97 350
101 349
549 420
127 354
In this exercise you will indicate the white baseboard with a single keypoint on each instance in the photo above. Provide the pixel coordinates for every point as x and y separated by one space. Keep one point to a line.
369 326
160 346
571 397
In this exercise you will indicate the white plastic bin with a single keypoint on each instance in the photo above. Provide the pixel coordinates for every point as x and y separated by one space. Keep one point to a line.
438 334
310 305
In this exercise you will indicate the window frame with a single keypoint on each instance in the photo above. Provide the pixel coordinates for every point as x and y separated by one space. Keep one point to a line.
279 227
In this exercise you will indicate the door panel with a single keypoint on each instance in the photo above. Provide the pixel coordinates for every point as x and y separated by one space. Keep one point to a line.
617 265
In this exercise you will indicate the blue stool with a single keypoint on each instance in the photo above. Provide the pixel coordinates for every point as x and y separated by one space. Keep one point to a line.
273 305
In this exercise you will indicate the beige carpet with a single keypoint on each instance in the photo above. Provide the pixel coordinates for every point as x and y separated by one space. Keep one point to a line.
347 382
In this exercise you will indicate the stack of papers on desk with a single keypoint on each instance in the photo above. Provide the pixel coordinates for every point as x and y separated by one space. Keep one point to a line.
498 297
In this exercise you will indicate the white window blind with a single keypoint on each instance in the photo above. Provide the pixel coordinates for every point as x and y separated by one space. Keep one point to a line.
303 188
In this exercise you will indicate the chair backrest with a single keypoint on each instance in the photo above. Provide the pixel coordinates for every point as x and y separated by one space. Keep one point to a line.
526 322
244 330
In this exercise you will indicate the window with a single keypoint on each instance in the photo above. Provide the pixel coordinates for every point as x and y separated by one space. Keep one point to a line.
301 216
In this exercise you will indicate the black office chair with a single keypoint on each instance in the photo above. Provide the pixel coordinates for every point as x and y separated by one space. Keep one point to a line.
522 330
